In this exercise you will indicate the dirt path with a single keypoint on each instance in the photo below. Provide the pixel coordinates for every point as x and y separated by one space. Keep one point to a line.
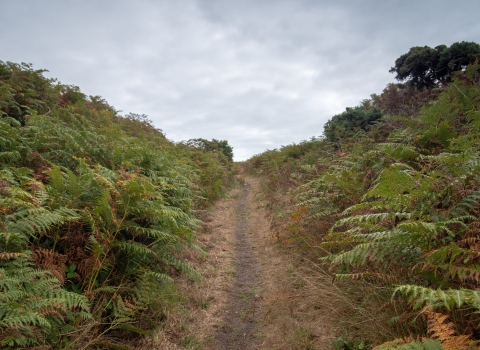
254 295
242 312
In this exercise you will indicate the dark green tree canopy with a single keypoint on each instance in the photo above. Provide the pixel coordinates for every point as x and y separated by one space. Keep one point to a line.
215 145
425 67
350 121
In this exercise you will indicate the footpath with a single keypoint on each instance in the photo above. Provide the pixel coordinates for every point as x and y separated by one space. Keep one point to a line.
251 296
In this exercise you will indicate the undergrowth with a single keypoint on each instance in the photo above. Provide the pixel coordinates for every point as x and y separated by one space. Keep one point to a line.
95 210
391 210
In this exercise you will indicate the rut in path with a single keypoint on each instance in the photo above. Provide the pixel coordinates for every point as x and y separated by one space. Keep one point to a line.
243 311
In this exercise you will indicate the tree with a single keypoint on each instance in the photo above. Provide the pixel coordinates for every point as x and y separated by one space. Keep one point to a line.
424 67
349 122
215 145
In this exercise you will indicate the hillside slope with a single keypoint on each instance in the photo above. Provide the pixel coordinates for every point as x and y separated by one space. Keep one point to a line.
94 209
391 208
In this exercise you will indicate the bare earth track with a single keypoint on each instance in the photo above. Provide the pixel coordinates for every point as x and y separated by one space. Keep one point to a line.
242 312
252 292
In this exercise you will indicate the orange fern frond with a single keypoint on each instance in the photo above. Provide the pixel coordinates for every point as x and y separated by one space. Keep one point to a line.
441 328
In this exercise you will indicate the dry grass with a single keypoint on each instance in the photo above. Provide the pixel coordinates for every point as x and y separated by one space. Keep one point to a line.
292 317
305 307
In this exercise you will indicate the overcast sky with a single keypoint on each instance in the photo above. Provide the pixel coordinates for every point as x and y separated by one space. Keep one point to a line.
260 74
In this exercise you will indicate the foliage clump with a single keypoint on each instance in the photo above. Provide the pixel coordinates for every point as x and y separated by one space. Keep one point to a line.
349 122
215 146
424 67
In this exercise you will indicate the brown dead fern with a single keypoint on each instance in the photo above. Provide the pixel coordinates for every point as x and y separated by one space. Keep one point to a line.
440 327
52 261
85 262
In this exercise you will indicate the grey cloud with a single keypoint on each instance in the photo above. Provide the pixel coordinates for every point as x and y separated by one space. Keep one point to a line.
259 73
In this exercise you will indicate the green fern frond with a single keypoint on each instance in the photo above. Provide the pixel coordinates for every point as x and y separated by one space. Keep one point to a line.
69 299
375 236
183 267
55 179
371 218
24 321
198 249
418 226
436 297
10 156
445 254
136 229
357 256
30 221
33 302
466 205
363 205
133 249
95 247
159 276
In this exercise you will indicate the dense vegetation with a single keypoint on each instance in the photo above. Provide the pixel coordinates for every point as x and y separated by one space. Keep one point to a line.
94 210
388 200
